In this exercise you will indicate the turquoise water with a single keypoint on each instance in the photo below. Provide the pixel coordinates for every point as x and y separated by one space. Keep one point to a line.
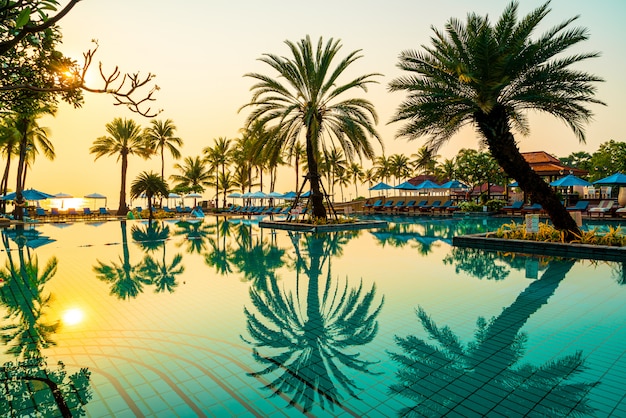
222 318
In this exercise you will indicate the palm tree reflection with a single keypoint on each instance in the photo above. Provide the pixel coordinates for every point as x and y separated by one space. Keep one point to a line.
449 377
302 339
160 273
28 385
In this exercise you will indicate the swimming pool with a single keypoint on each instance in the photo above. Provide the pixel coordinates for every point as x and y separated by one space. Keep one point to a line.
222 318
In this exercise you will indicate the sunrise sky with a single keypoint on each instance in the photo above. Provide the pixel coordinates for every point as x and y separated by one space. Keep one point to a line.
200 51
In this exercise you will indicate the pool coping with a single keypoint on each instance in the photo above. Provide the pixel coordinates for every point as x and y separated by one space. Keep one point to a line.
304 227
556 249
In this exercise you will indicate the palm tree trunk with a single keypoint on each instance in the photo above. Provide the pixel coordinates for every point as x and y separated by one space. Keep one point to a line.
495 128
21 163
317 200
122 209
4 185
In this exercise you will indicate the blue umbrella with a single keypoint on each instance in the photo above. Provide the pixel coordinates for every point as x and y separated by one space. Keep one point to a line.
235 195
290 195
453 184
427 184
569 180
29 194
616 179
514 184
406 186
381 186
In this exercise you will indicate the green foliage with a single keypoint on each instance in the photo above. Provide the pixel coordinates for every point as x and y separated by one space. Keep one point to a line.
610 158
470 207
547 233
494 205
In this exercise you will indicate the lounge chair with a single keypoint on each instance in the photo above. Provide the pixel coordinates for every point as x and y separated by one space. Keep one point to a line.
420 205
104 212
55 212
514 207
621 212
41 213
409 205
604 207
398 206
580 206
87 213
387 205
443 207
534 208
71 212
430 207
370 206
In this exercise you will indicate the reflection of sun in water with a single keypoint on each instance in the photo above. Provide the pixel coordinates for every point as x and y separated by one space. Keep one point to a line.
73 316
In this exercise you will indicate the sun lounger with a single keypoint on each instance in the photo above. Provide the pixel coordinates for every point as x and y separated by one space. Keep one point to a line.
430 207
410 205
40 213
514 207
398 206
104 212
87 213
444 207
580 206
534 208
388 204
420 205
604 207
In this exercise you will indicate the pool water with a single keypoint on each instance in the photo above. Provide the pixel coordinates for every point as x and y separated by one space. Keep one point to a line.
221 318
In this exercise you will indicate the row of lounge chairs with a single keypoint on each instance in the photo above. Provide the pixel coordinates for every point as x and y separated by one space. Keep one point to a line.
70 213
401 205
258 210
604 208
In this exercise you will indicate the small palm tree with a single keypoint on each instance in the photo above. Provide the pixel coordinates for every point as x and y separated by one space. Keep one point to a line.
194 175
309 103
488 75
159 136
150 184
218 156
124 138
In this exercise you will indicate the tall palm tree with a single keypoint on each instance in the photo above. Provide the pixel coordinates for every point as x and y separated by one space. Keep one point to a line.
9 147
150 184
218 156
400 166
488 75
160 136
309 102
425 160
194 175
124 138
382 165
355 172
31 137
369 177
297 151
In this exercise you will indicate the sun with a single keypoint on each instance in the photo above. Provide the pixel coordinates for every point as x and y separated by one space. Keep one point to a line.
73 316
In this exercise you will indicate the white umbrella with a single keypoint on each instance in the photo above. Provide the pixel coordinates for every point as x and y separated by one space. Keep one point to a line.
62 196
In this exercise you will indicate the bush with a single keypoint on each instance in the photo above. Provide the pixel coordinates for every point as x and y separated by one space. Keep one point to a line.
494 205
470 207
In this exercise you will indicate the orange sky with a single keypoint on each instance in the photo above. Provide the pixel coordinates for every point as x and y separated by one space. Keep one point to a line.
200 51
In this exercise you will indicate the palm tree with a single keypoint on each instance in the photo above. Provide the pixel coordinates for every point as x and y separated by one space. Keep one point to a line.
382 165
369 177
399 166
9 147
297 151
159 136
218 156
124 138
30 136
309 103
355 173
425 161
487 76
150 184
194 175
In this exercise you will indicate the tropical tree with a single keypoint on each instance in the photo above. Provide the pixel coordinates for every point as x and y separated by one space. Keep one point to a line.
446 170
610 158
424 160
150 184
382 165
369 177
31 65
124 138
218 156
160 136
309 102
194 175
355 173
476 168
579 159
297 152
487 75
400 166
